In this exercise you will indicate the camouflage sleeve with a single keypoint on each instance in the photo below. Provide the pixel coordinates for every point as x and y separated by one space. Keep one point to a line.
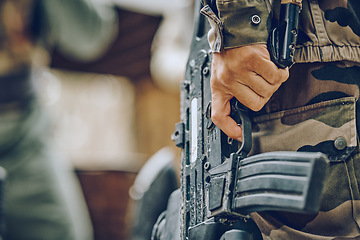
235 23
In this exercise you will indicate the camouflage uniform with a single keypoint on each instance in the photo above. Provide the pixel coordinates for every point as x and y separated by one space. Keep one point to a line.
315 110
42 198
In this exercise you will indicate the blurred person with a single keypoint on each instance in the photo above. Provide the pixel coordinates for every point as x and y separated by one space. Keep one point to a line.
43 199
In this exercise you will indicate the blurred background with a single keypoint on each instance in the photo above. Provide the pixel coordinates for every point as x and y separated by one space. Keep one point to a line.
110 115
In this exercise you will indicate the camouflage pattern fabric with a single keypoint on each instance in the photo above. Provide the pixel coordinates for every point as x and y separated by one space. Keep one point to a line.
307 115
315 110
230 23
329 29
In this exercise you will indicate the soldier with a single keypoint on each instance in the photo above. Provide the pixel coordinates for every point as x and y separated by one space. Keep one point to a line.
309 107
42 198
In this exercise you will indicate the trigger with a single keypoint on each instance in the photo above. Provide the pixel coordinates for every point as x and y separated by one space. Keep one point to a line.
240 115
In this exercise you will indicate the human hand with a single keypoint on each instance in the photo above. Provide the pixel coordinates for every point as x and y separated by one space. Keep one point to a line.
246 73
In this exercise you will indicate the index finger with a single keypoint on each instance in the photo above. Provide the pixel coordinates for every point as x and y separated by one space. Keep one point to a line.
220 115
271 73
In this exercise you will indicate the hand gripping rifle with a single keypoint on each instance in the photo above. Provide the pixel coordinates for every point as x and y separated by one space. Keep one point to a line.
220 184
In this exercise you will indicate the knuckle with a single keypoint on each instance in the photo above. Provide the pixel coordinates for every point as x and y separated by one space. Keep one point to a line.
267 92
222 77
216 117
277 77
228 82
286 75
248 55
273 78
256 107
252 61
258 104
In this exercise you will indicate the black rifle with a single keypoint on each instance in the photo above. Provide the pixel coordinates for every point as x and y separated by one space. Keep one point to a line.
220 185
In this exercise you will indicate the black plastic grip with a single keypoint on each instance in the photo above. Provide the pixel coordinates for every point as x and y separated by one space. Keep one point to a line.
282 39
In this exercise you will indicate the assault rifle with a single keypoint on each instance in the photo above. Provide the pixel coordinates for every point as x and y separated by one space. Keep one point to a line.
220 184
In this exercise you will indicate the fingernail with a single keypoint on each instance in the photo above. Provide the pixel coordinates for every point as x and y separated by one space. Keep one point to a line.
239 139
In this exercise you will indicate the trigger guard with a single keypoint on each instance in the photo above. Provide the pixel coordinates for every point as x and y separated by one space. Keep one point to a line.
246 144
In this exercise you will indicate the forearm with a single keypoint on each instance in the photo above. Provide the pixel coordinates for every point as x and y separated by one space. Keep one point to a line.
241 64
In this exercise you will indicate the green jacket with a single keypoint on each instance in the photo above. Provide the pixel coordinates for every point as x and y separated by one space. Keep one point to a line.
329 29
315 110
